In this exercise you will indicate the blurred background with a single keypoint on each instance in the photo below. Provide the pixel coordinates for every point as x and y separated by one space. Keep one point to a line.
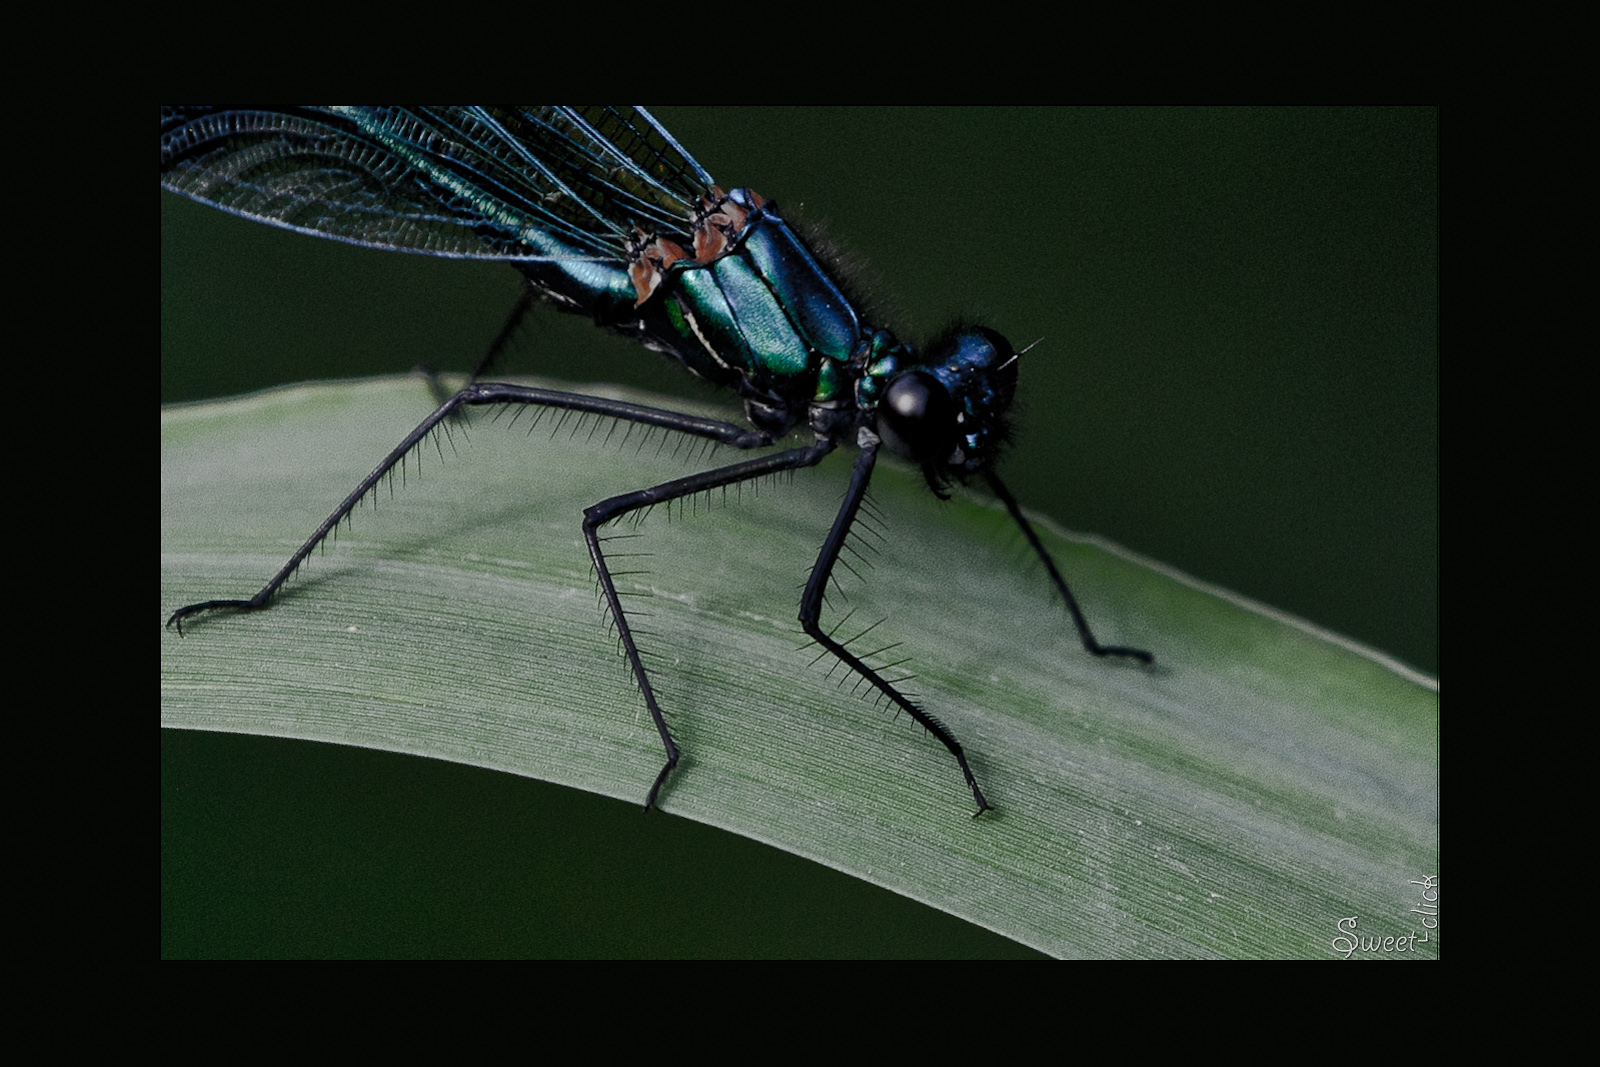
1236 375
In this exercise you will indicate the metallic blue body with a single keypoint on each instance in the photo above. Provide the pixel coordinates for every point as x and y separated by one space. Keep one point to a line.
607 216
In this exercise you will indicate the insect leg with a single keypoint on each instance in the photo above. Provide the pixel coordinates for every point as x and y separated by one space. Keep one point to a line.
496 348
475 395
608 510
1089 641
811 613
507 331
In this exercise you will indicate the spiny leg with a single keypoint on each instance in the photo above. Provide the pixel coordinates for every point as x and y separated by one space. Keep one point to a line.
1088 637
811 613
476 395
615 507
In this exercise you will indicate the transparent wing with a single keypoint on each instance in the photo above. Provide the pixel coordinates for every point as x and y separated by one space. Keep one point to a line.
494 182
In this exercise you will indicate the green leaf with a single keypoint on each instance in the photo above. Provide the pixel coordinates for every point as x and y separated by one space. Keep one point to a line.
1264 781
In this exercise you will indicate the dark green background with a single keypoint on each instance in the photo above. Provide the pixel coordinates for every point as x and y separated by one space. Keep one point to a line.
1238 377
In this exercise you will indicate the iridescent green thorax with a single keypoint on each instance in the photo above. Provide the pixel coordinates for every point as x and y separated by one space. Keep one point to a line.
608 216
748 305
742 301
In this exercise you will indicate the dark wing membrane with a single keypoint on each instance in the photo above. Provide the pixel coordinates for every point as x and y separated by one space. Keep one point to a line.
512 183
601 166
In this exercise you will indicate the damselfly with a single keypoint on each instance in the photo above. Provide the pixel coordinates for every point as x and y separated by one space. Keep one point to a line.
604 214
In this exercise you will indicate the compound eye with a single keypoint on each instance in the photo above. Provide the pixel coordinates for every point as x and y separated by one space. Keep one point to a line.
917 418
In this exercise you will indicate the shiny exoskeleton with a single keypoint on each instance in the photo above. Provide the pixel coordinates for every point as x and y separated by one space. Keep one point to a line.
607 216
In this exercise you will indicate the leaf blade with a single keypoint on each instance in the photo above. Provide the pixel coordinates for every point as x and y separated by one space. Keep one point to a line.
460 623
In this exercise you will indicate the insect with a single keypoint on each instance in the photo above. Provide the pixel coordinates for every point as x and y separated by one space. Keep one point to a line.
604 214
